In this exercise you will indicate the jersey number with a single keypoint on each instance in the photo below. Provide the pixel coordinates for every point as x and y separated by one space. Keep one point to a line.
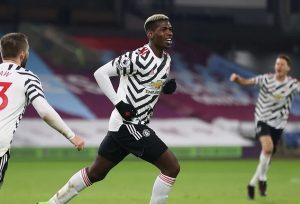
4 98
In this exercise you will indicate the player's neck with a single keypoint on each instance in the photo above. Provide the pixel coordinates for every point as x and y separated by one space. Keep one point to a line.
280 78
17 62
158 52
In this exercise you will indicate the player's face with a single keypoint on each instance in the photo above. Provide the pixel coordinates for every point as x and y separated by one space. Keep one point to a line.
281 67
162 35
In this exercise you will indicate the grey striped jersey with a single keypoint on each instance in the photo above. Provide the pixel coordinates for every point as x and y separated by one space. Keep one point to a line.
275 99
18 88
142 75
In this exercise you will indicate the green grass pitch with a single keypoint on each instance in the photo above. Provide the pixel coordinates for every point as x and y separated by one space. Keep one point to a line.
202 181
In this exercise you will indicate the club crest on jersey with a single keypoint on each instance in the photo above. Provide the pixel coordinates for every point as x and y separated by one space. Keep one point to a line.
146 132
154 87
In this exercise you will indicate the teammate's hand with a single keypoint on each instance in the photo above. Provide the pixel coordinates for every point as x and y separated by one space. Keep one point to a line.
78 142
126 110
169 86
234 77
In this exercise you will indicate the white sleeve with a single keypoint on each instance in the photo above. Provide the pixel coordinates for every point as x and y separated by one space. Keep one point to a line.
259 79
102 77
51 117
297 86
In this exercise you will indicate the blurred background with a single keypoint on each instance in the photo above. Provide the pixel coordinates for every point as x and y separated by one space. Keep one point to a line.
208 116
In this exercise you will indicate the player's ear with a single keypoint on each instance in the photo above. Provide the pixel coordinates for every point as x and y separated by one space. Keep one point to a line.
22 55
150 34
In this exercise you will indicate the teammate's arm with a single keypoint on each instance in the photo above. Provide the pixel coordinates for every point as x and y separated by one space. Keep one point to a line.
52 118
241 80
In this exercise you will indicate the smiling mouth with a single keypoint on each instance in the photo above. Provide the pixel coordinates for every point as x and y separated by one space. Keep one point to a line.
169 41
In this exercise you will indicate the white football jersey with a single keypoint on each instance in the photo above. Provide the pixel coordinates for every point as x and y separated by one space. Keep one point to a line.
142 75
275 99
18 88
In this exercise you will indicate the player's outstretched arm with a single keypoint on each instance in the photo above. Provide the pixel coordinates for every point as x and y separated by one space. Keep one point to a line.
52 118
241 80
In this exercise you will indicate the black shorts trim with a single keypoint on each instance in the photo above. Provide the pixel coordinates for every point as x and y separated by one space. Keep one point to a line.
139 140
3 165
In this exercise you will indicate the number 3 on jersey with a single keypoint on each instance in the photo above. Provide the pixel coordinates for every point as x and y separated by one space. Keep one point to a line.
4 99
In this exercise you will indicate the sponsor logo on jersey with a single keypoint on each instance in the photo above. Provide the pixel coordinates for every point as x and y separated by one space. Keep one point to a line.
278 96
154 87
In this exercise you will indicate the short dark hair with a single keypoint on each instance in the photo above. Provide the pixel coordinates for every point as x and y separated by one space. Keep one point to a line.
286 58
12 44
150 23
